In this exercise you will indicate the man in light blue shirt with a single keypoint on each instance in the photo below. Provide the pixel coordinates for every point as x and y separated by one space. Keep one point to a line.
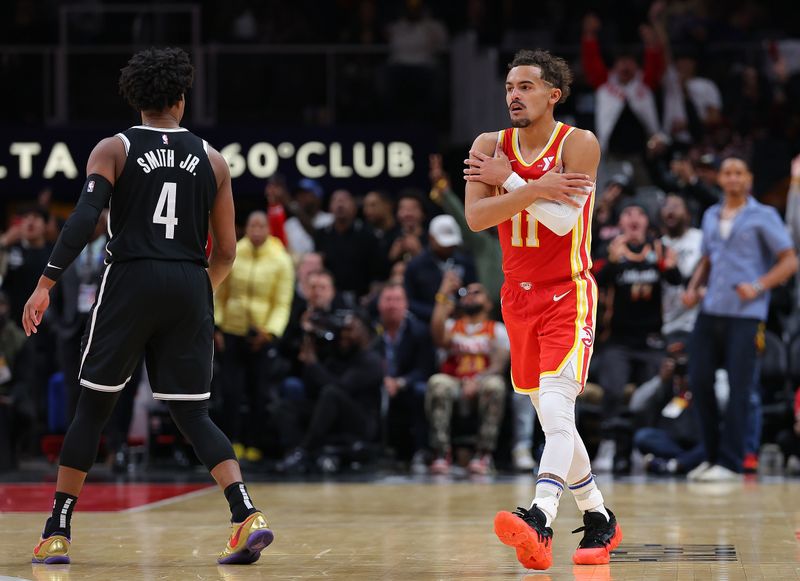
746 252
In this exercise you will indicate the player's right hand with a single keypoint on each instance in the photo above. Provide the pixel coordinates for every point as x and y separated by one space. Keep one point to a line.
34 310
559 187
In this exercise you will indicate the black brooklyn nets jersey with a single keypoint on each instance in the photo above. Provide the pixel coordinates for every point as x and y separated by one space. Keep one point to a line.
162 199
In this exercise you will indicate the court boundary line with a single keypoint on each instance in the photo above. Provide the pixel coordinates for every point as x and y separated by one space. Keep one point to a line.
168 501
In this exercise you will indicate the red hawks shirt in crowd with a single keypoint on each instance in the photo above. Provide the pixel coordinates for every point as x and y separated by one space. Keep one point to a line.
276 216
532 253
472 345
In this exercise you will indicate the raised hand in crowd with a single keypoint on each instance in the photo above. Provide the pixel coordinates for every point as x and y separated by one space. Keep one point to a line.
670 258
451 282
11 236
617 248
439 178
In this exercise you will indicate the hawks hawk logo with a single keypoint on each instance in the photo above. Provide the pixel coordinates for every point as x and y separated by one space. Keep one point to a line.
165 139
587 336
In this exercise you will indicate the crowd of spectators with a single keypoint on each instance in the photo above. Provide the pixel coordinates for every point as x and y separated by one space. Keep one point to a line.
395 64
370 319
342 341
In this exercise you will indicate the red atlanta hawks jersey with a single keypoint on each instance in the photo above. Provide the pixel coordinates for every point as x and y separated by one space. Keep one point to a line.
532 253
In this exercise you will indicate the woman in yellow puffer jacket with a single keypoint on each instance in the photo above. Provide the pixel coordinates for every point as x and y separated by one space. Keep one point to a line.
251 310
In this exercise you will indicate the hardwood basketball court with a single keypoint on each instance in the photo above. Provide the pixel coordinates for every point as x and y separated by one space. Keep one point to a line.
414 529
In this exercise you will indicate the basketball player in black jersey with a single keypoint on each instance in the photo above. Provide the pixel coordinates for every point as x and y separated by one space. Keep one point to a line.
164 186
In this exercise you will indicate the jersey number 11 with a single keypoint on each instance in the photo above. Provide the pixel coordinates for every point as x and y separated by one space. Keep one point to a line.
167 199
532 239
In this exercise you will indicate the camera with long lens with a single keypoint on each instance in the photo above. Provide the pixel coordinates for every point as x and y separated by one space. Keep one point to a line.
326 326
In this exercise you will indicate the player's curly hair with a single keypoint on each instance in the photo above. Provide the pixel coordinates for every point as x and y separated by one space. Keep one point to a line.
555 70
155 78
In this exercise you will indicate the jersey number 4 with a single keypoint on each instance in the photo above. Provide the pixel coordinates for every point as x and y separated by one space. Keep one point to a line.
166 201
532 238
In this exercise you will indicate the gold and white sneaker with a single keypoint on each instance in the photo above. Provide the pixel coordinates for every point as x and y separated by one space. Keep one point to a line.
247 541
52 550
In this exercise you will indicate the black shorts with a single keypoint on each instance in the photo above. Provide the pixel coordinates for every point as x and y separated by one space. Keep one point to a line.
162 310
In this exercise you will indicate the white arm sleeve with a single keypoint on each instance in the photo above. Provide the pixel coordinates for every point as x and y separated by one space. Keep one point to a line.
558 217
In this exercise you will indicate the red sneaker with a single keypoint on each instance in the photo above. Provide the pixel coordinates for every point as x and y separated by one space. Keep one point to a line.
525 530
750 464
600 537
441 465
481 464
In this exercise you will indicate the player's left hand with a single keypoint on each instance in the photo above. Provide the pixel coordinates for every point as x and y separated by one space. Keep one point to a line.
493 171
34 310
746 291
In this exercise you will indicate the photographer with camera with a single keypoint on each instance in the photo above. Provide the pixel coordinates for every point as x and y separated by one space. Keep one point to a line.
314 309
251 310
667 431
342 393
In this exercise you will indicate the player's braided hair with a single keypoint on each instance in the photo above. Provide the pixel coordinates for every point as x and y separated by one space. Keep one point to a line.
155 78
555 70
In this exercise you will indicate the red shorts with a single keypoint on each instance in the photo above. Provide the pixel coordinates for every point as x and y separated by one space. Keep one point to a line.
549 327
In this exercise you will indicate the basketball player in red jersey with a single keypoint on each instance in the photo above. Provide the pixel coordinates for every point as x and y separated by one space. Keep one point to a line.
535 181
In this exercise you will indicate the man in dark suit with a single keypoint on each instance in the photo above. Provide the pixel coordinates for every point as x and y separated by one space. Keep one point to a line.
409 359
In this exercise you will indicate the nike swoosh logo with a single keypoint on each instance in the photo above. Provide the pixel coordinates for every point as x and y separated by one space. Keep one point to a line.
557 298
51 265
235 538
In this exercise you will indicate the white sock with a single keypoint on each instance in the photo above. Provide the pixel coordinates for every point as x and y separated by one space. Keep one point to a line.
588 497
548 494
555 408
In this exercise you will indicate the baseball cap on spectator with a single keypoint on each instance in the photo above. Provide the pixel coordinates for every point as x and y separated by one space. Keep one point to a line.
445 231
708 160
622 180
309 185
635 203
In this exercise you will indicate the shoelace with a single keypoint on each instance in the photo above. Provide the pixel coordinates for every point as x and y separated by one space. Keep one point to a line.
526 515
593 534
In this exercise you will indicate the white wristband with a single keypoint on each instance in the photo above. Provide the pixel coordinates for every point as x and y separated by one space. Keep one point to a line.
513 182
